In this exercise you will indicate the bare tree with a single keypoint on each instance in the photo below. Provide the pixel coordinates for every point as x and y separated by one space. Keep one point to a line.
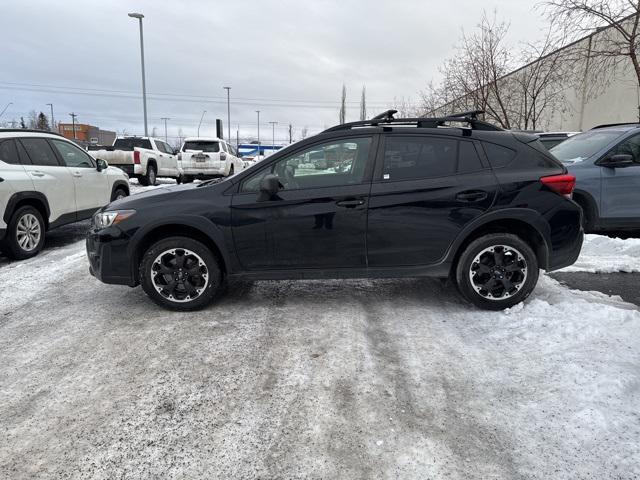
304 132
618 39
363 103
343 106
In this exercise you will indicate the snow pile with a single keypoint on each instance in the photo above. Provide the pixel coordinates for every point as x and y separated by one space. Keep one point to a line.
602 254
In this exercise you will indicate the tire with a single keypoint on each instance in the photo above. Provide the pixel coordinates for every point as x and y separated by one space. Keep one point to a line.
187 179
150 178
231 170
25 234
118 194
171 289
503 263
179 180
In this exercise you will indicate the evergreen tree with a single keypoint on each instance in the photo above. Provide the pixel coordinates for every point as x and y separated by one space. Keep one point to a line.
22 124
42 123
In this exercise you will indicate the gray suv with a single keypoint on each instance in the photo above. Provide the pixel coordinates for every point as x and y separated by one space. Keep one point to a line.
606 163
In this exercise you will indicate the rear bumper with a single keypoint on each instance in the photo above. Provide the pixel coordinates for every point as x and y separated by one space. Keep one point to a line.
108 258
203 172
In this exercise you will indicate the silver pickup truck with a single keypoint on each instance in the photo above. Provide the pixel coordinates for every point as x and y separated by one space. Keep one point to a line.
144 158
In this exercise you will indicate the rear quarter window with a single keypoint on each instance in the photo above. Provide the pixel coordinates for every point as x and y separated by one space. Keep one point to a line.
131 143
498 155
8 152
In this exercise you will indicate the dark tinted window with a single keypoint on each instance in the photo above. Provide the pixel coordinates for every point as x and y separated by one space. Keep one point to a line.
498 156
200 145
468 159
8 152
131 143
39 151
407 158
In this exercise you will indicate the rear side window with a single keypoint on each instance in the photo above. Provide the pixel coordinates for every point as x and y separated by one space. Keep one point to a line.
498 156
408 158
40 152
468 159
8 152
208 147
131 143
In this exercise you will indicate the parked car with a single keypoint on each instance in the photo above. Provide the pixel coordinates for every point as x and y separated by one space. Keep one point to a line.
206 158
47 181
144 158
485 207
606 163
551 139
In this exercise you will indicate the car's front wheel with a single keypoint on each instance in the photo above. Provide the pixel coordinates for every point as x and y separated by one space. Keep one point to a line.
180 273
25 233
497 271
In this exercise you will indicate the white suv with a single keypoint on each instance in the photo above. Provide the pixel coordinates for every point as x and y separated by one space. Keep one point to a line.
207 157
47 181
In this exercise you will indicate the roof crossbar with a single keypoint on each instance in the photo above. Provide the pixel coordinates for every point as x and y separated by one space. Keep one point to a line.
386 118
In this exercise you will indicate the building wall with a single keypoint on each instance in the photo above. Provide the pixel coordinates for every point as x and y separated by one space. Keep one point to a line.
86 133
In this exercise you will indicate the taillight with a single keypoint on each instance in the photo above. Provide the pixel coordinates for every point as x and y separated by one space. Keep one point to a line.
136 157
561 184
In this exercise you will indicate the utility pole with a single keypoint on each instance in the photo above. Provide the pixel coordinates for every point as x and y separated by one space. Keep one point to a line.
290 134
273 136
203 112
73 122
165 128
140 16
228 89
53 123
258 112
238 137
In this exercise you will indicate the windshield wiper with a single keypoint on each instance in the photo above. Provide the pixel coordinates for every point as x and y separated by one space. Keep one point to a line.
211 181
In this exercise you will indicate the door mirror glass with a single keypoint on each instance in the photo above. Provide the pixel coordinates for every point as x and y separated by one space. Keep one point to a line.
620 160
101 164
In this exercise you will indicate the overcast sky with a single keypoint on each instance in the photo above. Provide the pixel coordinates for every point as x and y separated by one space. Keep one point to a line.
287 58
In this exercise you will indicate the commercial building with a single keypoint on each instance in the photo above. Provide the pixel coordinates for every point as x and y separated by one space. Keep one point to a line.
86 134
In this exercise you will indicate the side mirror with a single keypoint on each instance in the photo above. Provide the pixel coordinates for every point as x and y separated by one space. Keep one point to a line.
269 186
621 160
101 164
176 151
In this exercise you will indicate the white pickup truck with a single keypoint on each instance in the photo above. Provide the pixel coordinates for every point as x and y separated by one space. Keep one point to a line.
144 158
207 157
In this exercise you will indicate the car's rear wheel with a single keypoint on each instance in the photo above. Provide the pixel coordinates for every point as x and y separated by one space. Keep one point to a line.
151 175
187 179
25 233
497 271
180 273
231 170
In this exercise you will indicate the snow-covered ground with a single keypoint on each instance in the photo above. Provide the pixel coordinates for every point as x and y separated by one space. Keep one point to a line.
313 379
601 254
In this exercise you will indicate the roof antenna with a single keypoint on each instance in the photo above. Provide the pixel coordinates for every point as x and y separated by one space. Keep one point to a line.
385 116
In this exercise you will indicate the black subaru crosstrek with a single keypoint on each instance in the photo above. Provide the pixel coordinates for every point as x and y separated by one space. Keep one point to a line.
446 197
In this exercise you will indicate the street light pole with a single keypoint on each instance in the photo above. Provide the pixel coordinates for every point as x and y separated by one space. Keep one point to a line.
53 123
228 89
273 136
5 108
203 112
258 112
165 128
140 16
73 120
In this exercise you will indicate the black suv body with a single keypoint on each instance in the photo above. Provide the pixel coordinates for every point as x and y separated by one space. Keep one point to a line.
482 206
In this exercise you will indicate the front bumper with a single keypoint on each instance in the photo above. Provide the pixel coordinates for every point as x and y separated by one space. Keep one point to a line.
108 258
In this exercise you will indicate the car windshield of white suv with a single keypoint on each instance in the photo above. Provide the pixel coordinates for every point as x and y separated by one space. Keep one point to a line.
580 147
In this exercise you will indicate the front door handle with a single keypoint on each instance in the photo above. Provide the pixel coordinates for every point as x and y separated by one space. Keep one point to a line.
472 196
37 173
77 174
352 203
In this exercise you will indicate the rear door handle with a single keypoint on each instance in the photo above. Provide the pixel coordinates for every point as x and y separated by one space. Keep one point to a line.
472 196
77 174
37 173
352 203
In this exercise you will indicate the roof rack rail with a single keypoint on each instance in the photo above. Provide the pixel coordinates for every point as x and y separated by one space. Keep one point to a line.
386 118
605 125
29 130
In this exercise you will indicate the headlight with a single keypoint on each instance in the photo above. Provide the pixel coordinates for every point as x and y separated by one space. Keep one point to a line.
113 217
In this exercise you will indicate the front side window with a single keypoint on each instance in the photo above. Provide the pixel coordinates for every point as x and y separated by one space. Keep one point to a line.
409 158
8 152
201 146
40 152
328 164
72 155
631 146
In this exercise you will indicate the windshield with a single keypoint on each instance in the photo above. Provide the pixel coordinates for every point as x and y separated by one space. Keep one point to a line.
582 146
